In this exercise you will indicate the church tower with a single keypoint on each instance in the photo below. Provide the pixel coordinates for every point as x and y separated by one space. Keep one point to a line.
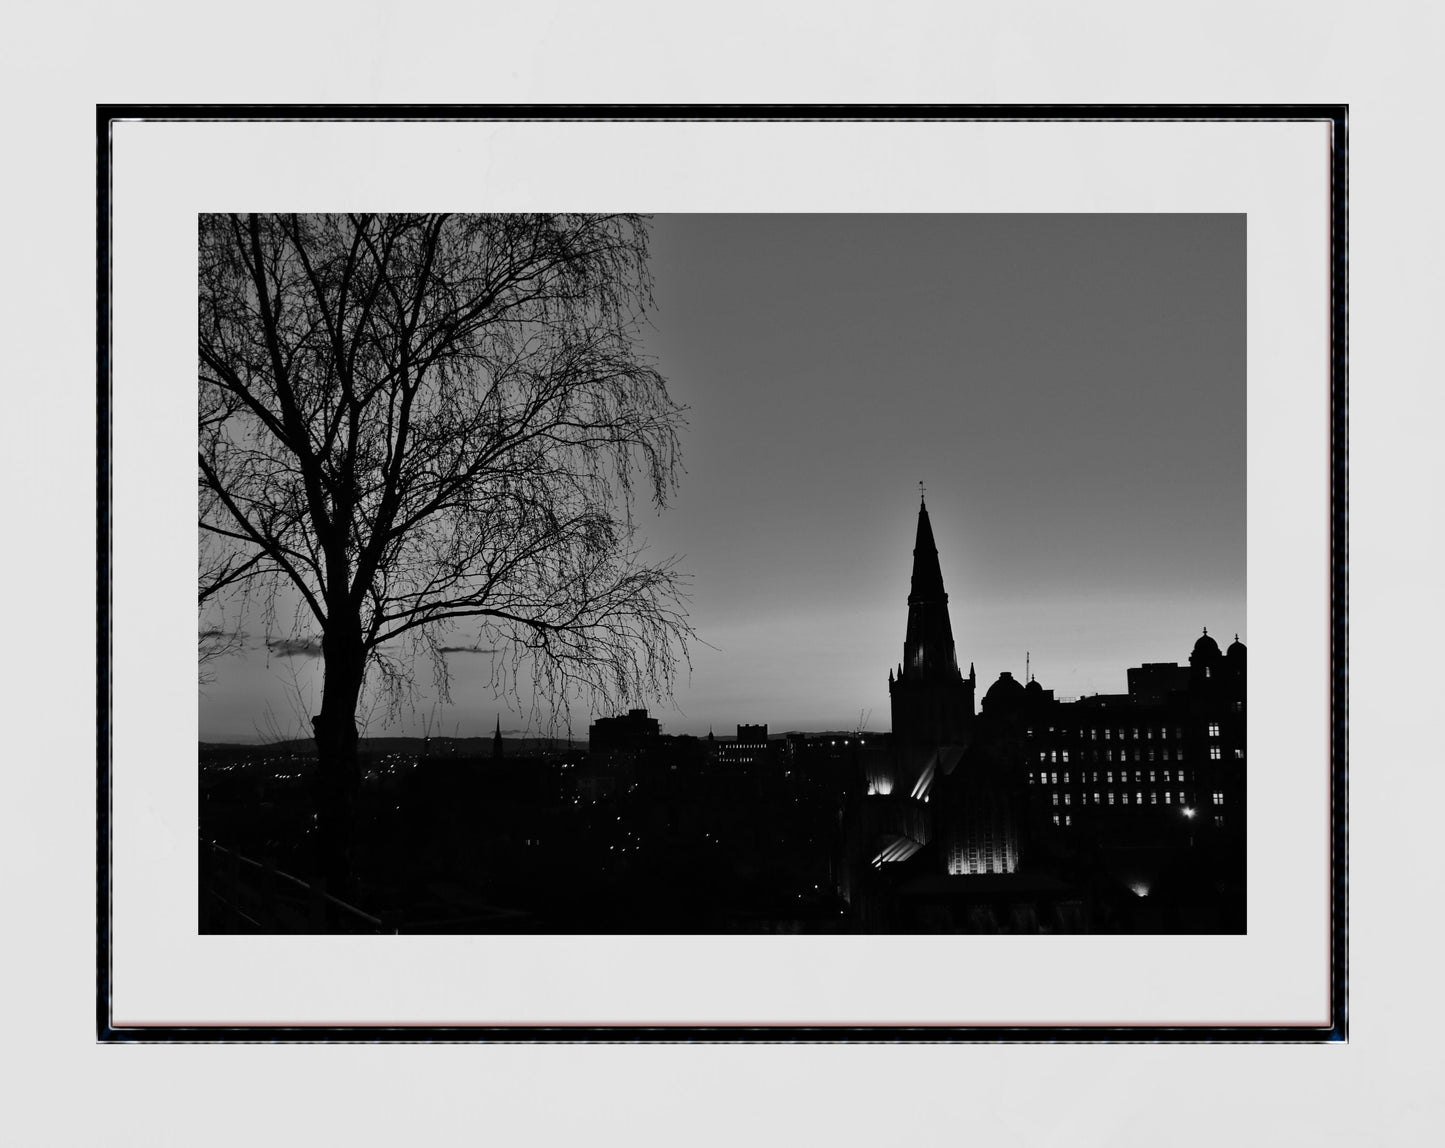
932 701
497 741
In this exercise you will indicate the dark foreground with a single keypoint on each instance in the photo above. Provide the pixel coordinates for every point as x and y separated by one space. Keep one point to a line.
558 843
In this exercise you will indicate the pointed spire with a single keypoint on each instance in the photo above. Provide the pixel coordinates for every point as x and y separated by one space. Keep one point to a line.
928 646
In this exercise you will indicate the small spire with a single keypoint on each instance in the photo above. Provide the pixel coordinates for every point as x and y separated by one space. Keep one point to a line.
1206 629
920 492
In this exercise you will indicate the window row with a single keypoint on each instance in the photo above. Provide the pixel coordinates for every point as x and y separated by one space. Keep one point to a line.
1123 798
1052 777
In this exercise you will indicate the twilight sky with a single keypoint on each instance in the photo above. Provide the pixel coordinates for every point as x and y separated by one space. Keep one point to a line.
1071 390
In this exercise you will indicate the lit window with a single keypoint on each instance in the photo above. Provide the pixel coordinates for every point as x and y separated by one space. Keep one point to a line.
1056 798
1069 795
1207 672
1068 820
1054 756
1151 777
1164 732
1056 818
1213 753
1153 797
1218 819
1124 799
1168 796
1219 799
1043 756
1029 732
1111 797
1106 735
1066 757
1214 729
1138 799
1093 735
1239 755
1056 778
1237 707
1136 733
1109 777
1166 753
1108 755
1151 753
1066 777
1096 799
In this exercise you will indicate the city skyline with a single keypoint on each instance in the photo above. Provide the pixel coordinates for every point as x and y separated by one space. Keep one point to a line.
1070 390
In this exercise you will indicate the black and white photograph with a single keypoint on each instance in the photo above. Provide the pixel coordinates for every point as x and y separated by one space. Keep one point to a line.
795 573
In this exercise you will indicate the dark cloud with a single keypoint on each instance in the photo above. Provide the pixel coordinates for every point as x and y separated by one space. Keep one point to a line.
466 650
294 647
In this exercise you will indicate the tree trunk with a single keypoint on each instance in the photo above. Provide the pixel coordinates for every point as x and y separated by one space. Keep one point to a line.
338 768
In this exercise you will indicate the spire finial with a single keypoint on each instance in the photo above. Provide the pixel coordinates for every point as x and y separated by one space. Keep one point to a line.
1206 629
920 492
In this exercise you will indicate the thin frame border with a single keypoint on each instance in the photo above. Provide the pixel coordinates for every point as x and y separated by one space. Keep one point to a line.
1336 1031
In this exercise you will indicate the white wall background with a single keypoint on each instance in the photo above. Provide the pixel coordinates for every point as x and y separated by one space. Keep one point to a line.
1382 1087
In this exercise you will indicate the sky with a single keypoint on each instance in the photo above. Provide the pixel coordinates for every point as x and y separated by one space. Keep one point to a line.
1069 388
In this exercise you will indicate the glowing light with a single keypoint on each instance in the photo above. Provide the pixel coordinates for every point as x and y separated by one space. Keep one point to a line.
1188 812
1140 889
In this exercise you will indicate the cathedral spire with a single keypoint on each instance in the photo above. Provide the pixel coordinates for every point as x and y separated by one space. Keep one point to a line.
932 702
928 648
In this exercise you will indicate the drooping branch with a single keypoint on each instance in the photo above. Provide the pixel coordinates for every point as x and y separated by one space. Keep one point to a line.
424 422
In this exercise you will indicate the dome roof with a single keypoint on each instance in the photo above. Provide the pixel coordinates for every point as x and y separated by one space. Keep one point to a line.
1236 648
1006 689
1206 645
1033 687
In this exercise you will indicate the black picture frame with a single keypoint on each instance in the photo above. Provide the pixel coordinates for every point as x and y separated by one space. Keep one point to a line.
1335 1030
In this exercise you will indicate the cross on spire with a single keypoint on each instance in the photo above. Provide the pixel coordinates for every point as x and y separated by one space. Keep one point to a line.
920 492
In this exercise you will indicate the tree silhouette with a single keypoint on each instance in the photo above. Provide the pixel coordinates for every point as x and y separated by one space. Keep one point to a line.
426 423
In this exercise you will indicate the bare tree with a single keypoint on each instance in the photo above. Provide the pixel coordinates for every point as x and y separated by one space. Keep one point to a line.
422 423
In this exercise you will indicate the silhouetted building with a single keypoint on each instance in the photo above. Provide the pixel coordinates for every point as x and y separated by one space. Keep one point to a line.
751 748
497 741
630 733
1074 809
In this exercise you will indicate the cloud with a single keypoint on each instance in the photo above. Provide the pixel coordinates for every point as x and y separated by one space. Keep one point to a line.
466 650
294 647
